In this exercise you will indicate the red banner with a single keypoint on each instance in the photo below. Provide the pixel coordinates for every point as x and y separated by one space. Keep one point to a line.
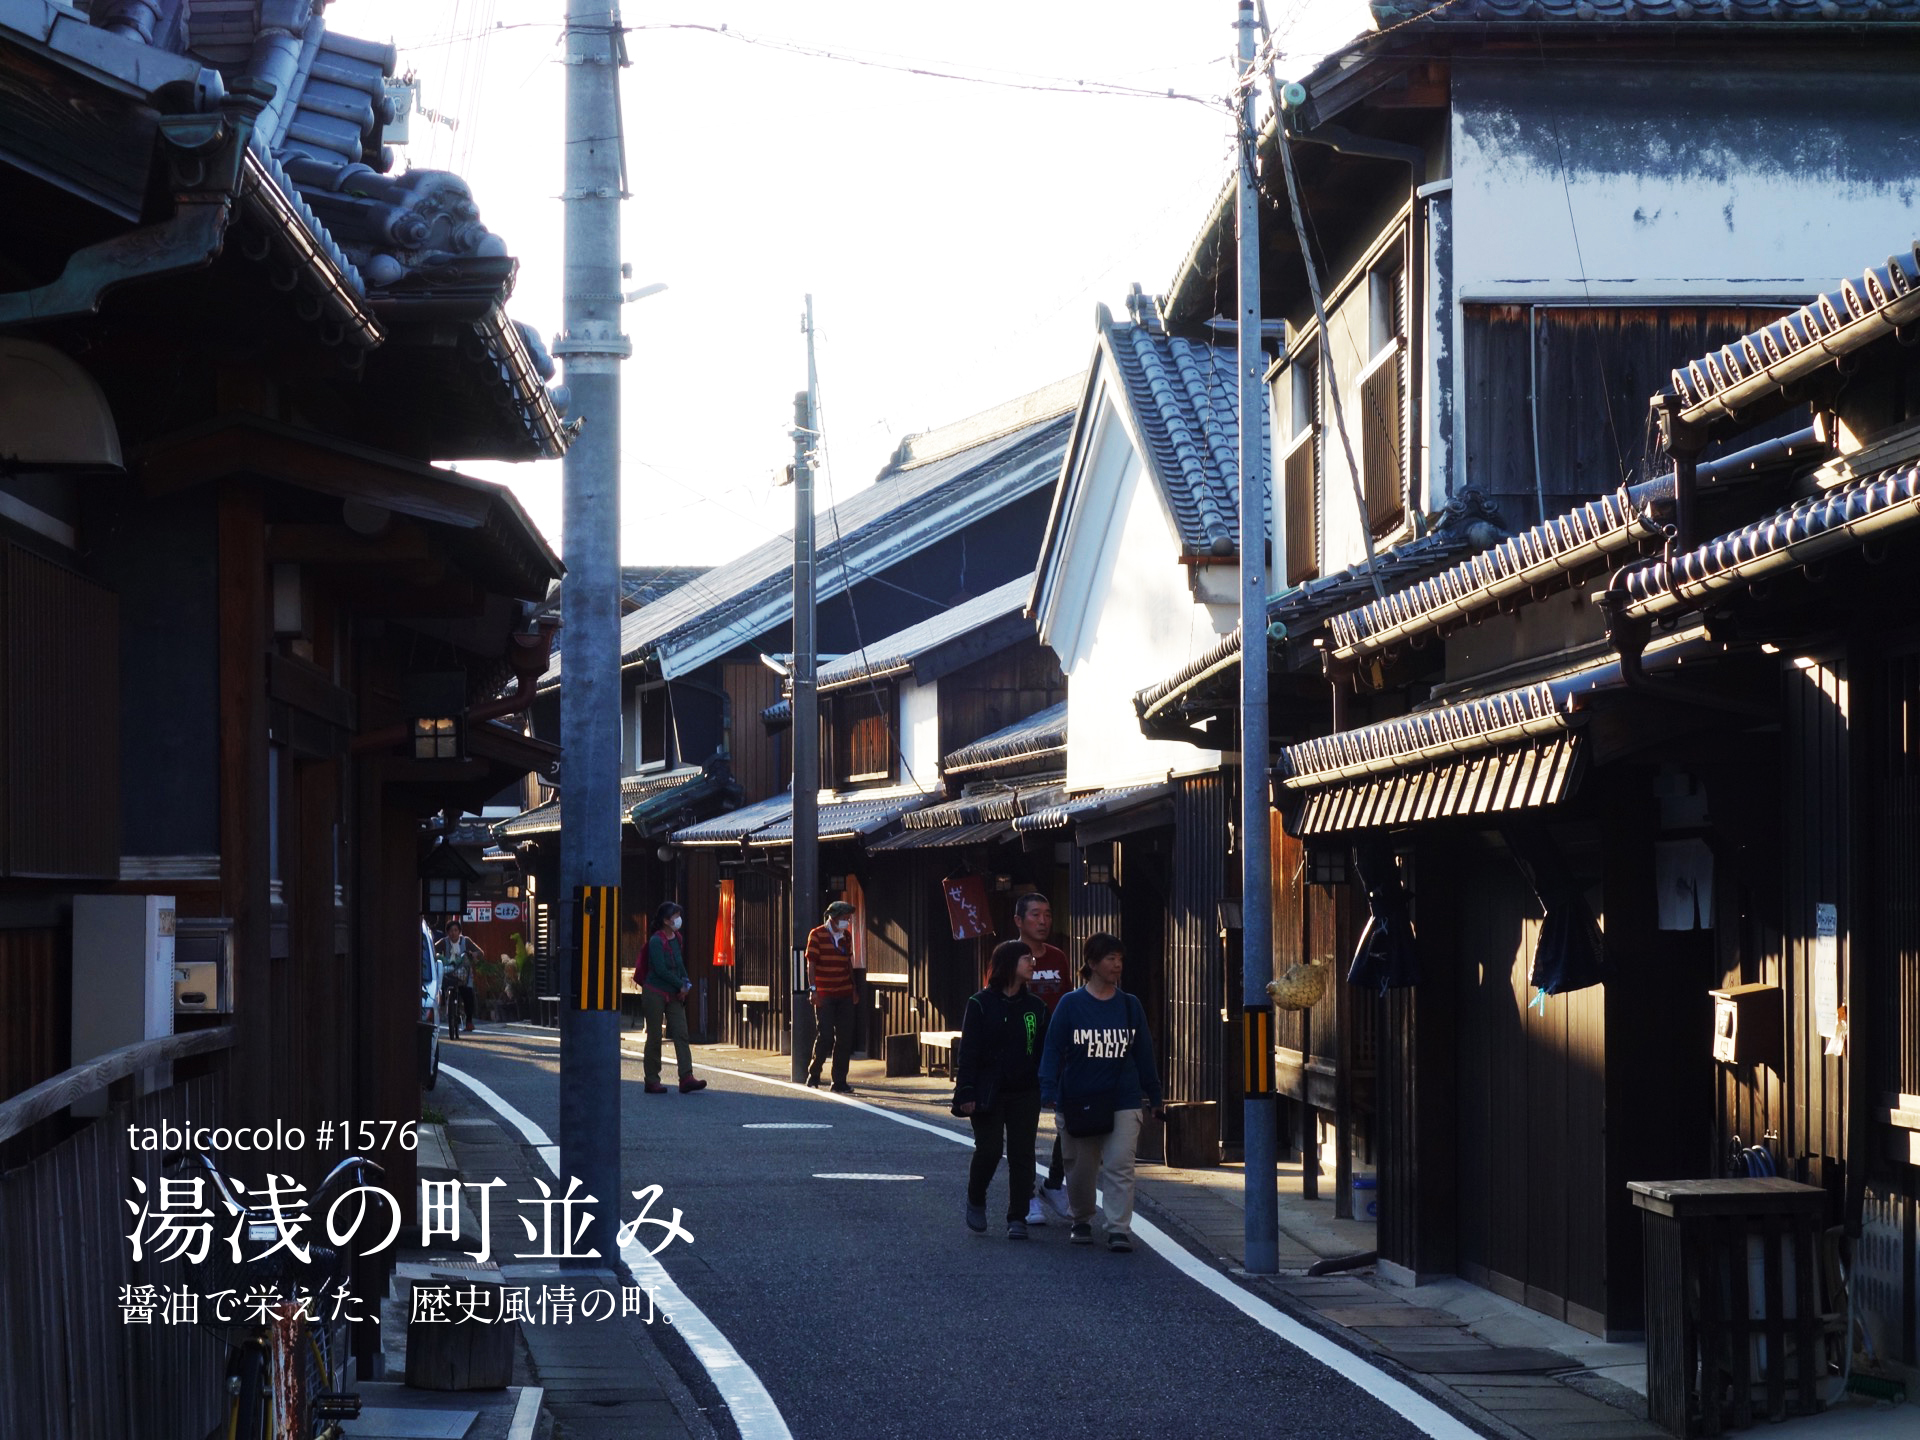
967 912
723 927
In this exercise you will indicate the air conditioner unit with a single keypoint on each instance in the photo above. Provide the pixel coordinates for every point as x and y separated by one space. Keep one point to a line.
123 974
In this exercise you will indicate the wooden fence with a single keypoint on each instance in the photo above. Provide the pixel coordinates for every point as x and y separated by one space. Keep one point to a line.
72 1365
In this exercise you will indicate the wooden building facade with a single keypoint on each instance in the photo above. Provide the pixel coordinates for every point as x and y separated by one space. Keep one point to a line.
233 587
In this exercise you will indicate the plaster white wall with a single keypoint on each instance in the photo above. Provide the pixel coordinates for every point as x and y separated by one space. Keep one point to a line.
919 733
1137 620
1677 182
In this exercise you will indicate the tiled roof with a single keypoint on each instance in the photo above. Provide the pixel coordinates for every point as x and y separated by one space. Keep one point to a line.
770 821
1185 402
1072 810
1042 733
901 513
991 802
634 790
1861 311
1798 535
1387 13
898 652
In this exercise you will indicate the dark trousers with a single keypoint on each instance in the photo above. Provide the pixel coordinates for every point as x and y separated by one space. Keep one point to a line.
833 1034
1013 1122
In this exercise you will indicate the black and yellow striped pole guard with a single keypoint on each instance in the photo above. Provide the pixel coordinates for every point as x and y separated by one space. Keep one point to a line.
596 951
1256 1049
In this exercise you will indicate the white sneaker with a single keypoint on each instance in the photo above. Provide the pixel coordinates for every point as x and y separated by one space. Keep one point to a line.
1056 1201
1036 1212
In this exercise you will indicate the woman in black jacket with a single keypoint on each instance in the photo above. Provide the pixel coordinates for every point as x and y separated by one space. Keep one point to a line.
997 1084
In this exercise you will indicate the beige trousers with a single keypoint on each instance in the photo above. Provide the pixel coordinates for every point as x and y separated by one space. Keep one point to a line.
1105 1160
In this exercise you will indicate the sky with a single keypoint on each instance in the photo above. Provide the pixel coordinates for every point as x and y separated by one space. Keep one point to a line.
955 235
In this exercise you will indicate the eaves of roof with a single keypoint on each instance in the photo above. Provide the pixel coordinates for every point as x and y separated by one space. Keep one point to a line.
1548 554
768 824
1098 804
1710 392
1802 533
1456 14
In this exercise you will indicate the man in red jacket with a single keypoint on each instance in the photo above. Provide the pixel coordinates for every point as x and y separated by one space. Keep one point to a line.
1033 924
830 977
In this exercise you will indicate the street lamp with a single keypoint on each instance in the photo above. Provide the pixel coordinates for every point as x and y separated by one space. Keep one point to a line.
643 292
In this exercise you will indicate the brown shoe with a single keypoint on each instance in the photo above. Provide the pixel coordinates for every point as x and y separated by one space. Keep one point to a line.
654 1087
688 1084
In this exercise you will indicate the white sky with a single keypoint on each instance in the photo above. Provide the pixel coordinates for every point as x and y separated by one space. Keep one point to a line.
955 236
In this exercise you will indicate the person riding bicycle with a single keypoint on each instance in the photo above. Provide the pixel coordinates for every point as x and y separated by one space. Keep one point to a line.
457 957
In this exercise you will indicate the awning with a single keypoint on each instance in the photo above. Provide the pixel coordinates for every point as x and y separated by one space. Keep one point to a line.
1515 750
1526 776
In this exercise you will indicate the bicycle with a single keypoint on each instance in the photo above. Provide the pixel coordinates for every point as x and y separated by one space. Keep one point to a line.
459 1011
267 1387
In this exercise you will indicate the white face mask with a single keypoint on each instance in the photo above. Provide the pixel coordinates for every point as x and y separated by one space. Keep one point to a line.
839 927
675 922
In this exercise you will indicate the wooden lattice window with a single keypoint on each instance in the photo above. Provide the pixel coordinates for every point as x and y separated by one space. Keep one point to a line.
862 733
1383 467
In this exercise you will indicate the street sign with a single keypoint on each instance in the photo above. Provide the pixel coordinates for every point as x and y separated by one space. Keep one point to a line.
507 910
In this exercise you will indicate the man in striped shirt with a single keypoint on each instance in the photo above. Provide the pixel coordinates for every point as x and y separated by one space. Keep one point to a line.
830 977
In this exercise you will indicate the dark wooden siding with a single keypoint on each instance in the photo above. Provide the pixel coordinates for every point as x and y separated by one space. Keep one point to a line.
1817 753
1596 367
59 721
1531 1086
1897 875
994 692
1195 960
36 1021
760 760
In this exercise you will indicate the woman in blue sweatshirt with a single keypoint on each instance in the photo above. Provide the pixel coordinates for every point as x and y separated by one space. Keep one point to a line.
1098 1075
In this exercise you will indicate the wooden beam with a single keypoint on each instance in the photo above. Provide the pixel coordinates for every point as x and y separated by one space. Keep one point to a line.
243 794
248 445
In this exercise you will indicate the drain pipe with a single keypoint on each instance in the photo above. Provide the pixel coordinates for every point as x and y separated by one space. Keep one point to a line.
1627 635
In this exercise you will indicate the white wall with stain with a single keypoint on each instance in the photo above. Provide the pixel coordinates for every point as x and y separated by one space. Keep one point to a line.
1636 182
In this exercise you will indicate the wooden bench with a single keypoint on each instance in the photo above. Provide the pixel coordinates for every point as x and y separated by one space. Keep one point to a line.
941 1042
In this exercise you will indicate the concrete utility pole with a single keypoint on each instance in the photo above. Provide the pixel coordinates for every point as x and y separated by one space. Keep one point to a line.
592 349
806 710
1256 865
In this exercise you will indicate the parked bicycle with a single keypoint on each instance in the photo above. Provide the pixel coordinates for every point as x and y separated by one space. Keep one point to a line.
287 1355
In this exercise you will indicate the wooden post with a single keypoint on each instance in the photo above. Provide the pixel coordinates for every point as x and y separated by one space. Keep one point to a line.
254 1074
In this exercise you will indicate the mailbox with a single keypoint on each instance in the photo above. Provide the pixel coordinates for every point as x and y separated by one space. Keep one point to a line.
1749 1026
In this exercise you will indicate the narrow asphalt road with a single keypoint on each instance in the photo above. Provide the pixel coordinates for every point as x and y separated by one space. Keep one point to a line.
835 1260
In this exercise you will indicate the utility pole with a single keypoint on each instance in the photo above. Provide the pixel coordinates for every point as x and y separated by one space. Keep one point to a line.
592 349
1256 880
806 710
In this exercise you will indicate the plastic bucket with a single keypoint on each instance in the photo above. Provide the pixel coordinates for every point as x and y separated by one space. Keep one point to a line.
1366 1198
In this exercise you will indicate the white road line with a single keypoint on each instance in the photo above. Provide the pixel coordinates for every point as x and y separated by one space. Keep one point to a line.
526 1414
753 1410
1396 1395
856 1175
